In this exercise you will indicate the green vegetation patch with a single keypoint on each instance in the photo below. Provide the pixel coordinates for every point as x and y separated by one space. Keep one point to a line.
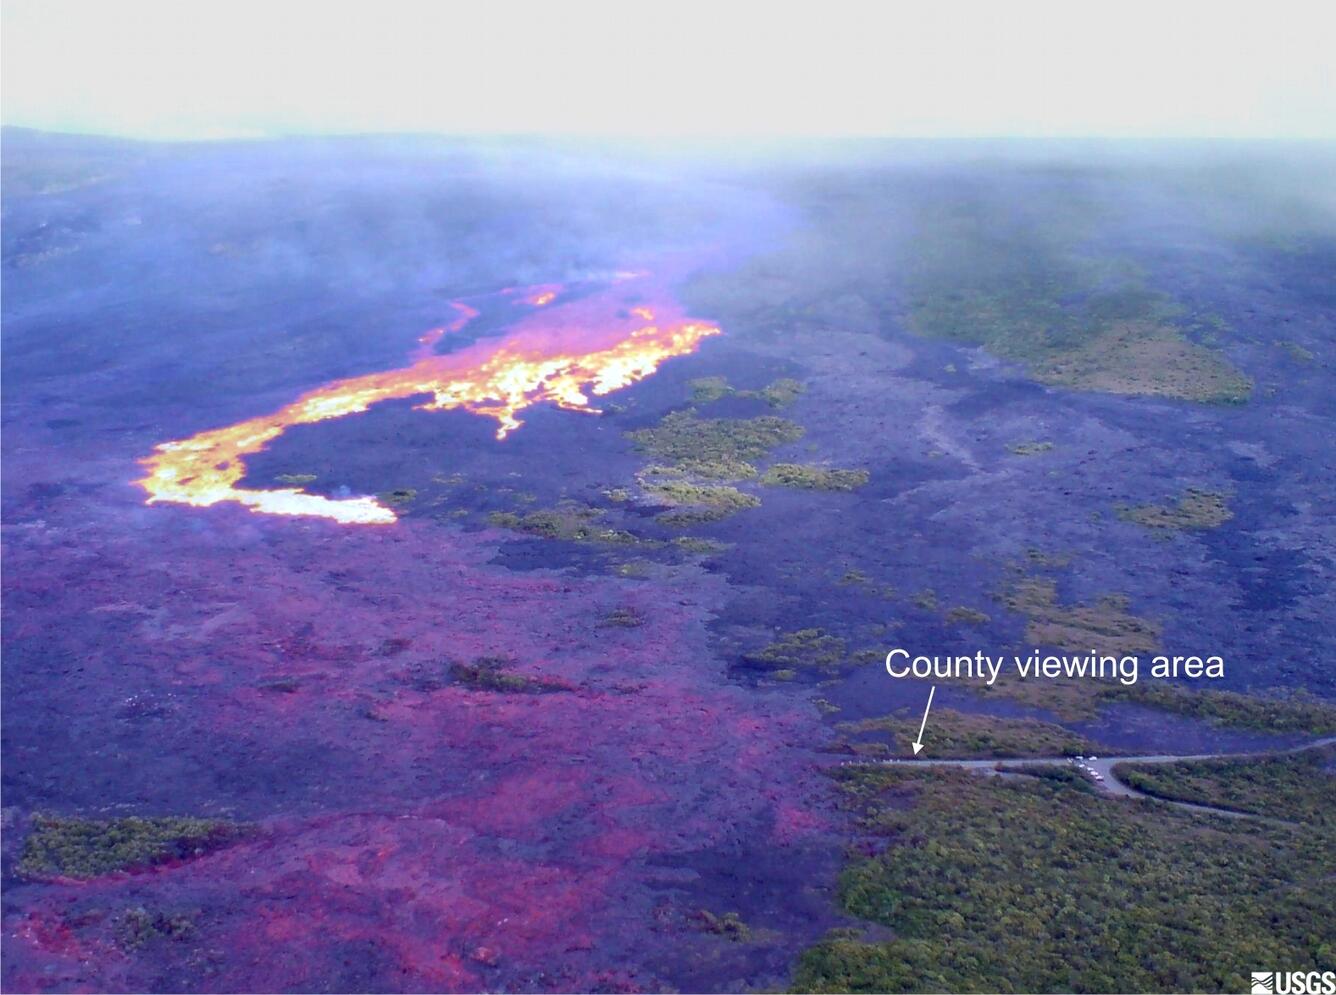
704 390
1059 773
781 393
685 492
701 547
1075 700
681 518
1070 699
1149 359
964 615
295 478
570 522
1023 285
1195 510
965 735
1106 626
1293 711
694 502
1033 884
778 394
137 927
1298 787
803 650
70 847
715 448
492 673
1031 278
813 478
1297 352
1029 448
729 925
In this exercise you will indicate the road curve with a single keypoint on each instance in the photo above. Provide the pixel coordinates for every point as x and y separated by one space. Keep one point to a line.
1104 766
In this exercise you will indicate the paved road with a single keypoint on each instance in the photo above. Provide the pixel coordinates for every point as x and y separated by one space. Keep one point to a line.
1104 766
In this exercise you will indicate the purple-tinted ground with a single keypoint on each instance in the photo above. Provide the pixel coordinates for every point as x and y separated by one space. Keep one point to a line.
471 840
414 833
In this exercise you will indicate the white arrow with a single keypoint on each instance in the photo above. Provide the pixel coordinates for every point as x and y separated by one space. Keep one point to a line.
918 744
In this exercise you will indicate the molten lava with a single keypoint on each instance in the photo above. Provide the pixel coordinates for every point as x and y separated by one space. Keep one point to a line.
588 346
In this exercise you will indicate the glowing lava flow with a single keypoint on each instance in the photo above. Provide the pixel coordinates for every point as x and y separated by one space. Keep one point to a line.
589 344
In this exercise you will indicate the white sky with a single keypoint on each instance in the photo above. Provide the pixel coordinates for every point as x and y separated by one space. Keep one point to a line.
203 68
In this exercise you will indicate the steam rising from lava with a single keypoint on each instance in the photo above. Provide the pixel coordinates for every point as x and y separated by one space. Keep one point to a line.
590 345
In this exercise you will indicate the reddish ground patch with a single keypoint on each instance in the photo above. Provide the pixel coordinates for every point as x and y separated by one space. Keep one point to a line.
427 837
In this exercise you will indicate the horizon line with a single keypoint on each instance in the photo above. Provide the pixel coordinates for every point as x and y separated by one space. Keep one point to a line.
241 135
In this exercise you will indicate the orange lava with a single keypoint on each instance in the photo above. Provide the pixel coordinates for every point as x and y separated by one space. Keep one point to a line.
565 353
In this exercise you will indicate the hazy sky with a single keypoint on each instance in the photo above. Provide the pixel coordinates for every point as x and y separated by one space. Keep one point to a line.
200 68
